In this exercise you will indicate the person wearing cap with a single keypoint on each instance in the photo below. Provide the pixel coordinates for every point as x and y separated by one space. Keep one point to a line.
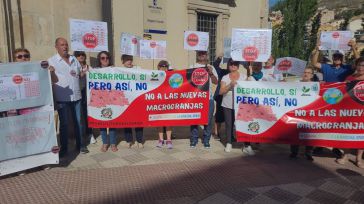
127 61
163 65
337 72
202 62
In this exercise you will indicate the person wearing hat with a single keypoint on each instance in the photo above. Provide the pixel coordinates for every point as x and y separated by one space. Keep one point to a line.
202 62
335 72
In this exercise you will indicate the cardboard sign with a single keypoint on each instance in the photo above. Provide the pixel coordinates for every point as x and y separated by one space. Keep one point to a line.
290 65
253 45
89 36
194 40
335 40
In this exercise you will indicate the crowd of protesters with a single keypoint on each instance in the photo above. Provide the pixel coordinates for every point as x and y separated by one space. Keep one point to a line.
68 79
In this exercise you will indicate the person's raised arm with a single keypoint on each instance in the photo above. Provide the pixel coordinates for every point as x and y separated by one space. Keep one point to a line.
315 56
354 49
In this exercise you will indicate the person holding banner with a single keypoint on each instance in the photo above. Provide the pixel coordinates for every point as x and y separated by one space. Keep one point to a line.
202 62
164 66
104 60
337 72
81 57
357 76
308 75
127 61
67 94
226 89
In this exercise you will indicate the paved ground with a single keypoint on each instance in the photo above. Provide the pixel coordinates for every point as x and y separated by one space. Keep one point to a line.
184 175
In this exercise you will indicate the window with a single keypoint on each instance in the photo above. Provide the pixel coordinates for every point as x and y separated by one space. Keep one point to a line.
208 23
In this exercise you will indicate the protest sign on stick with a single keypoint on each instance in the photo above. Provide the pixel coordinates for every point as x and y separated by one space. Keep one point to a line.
335 40
88 36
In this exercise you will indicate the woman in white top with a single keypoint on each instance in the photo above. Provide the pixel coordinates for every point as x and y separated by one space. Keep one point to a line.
226 89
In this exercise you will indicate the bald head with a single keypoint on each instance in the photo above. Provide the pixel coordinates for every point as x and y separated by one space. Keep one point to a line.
61 45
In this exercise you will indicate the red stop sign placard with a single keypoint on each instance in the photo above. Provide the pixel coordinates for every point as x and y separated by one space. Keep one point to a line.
153 44
284 65
250 53
89 40
17 79
192 39
336 35
134 41
359 91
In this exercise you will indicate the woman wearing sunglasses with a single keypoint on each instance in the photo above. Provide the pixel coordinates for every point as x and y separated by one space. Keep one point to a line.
104 60
226 89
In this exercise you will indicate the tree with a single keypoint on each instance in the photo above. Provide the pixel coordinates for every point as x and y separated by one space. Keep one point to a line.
289 38
312 36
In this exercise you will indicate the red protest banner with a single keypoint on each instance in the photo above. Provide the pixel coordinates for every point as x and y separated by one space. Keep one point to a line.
331 115
120 97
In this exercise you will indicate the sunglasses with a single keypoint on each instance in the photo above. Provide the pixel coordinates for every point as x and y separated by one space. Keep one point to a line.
164 65
26 56
104 58
234 63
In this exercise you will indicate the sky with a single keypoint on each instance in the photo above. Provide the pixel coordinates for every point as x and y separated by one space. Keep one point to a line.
272 2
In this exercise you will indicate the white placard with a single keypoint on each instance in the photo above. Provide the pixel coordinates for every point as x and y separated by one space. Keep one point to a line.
89 36
227 47
290 65
335 40
195 40
129 44
253 45
153 49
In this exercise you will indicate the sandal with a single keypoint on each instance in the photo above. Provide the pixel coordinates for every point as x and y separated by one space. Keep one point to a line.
104 147
114 148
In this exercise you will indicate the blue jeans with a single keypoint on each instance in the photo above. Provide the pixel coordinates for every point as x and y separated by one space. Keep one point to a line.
207 128
112 135
64 109
129 135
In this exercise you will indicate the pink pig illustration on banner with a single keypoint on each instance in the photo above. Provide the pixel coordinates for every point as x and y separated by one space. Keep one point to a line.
249 112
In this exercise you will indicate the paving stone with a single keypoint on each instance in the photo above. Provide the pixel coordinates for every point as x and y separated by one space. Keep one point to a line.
182 156
357 196
114 163
262 199
135 158
217 199
337 189
241 195
321 196
103 156
297 188
152 154
282 196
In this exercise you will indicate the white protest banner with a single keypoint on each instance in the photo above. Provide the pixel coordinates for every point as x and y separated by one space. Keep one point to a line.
89 36
253 45
335 40
195 40
129 44
290 65
152 49
28 137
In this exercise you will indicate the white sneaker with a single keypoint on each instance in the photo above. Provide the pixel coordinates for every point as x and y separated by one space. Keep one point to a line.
92 139
248 150
228 147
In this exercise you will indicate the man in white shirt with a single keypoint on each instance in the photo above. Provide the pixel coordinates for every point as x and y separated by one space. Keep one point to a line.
67 94
202 61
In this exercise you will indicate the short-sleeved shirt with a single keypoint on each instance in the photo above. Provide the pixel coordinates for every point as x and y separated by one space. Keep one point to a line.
333 74
68 86
227 98
211 89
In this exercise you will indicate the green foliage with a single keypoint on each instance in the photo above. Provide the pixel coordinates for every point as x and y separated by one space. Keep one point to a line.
290 38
